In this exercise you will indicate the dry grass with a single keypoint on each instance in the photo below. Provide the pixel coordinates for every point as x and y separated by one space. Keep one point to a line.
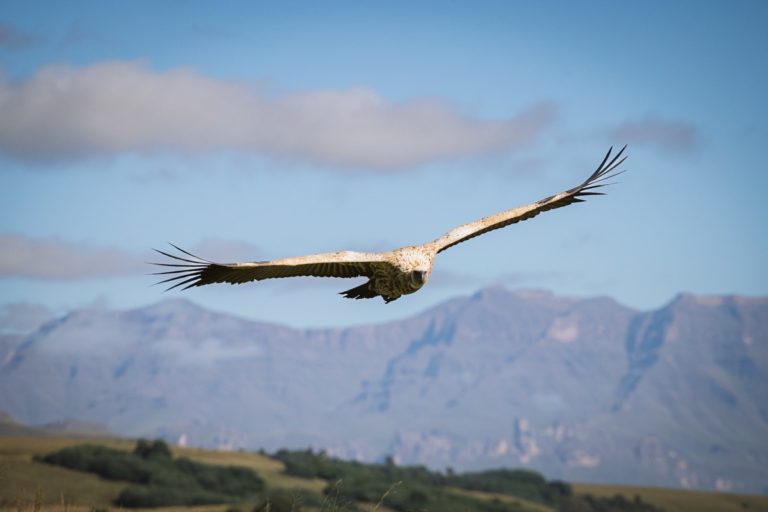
24 478
26 484
504 498
26 447
677 500
269 469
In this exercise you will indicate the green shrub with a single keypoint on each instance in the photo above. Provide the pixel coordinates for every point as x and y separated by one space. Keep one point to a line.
150 496
524 483
369 482
163 481
291 500
152 449
105 462
617 503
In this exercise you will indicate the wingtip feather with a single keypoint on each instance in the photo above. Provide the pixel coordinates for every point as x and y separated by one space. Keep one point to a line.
185 271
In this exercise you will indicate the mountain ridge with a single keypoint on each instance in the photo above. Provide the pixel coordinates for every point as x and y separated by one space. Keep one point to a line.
581 389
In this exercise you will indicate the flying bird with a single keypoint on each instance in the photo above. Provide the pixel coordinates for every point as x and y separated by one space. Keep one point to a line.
390 274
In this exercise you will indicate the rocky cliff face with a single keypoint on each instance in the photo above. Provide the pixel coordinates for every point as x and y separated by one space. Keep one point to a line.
580 389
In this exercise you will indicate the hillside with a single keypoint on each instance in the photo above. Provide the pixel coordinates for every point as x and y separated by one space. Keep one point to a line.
26 484
580 389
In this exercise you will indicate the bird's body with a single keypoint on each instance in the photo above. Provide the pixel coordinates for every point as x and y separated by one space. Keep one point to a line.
404 271
390 274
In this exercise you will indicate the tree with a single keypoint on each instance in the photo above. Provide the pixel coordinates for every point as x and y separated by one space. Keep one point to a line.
151 449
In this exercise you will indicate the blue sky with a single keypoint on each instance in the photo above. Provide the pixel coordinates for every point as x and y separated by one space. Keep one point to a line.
260 130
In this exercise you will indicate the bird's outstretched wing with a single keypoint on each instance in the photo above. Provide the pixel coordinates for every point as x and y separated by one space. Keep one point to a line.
574 195
190 270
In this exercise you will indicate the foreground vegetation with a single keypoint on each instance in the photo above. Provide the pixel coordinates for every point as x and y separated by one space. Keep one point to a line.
297 481
681 500
159 479
408 488
416 487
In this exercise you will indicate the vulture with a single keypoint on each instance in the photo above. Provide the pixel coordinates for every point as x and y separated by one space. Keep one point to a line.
390 274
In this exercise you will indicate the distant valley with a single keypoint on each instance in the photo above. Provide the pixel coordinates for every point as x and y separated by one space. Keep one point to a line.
579 389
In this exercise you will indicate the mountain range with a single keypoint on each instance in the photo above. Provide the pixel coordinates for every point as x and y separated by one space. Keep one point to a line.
579 389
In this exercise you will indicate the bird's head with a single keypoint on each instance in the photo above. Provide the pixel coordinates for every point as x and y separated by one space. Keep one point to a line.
414 264
419 278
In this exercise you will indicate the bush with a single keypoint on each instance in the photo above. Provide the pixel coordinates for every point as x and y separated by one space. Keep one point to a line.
524 483
152 496
163 481
369 482
617 503
105 462
152 449
294 500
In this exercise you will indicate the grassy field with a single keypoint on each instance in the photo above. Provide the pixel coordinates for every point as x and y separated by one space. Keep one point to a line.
678 500
29 486
23 481
269 469
534 507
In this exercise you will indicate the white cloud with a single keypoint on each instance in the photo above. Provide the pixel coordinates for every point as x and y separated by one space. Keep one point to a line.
669 135
113 107
52 258
206 352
